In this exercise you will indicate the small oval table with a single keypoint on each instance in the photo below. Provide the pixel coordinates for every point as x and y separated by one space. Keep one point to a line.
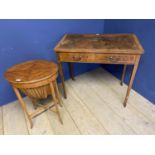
36 79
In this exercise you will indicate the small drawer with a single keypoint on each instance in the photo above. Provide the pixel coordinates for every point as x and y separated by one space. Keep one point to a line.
119 58
97 58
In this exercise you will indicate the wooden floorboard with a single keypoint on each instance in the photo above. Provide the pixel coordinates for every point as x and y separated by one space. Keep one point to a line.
1 121
84 119
41 124
14 119
94 106
111 122
136 100
129 115
139 102
68 128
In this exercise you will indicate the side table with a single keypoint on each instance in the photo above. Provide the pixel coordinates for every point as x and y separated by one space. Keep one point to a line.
36 79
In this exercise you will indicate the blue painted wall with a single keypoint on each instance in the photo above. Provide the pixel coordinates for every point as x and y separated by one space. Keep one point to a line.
145 30
22 40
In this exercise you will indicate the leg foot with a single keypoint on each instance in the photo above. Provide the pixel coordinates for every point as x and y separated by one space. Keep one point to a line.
121 83
125 102
55 101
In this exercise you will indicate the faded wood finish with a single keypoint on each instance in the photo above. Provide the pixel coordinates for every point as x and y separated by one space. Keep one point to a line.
41 124
14 122
99 108
107 49
35 79
141 104
102 43
131 117
82 116
82 113
68 128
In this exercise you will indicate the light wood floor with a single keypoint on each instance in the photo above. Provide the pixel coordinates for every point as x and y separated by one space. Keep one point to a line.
94 106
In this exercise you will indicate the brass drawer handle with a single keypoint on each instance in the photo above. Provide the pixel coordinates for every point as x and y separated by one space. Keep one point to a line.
113 59
77 58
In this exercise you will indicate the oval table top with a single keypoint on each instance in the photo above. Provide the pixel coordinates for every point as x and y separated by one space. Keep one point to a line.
31 71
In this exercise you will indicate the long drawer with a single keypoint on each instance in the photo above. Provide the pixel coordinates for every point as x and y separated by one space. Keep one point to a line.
97 58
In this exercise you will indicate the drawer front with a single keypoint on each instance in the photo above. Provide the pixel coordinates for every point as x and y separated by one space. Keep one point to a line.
97 58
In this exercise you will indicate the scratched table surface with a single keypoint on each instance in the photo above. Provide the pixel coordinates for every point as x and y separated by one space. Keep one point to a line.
100 42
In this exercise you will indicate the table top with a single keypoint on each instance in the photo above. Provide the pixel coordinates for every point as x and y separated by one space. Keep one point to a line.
31 71
100 43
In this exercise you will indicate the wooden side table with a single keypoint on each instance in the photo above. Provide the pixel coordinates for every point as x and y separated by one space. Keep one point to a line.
36 79
122 49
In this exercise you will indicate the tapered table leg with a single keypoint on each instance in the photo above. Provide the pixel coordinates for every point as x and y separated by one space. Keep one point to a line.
55 101
23 105
62 79
123 74
71 70
131 80
57 93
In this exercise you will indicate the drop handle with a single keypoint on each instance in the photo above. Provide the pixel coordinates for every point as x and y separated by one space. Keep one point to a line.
111 58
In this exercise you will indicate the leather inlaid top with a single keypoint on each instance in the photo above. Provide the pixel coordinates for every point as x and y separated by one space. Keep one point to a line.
105 43
31 71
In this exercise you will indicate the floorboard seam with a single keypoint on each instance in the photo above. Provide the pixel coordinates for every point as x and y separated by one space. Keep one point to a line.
129 102
91 112
112 109
50 124
72 119
26 121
